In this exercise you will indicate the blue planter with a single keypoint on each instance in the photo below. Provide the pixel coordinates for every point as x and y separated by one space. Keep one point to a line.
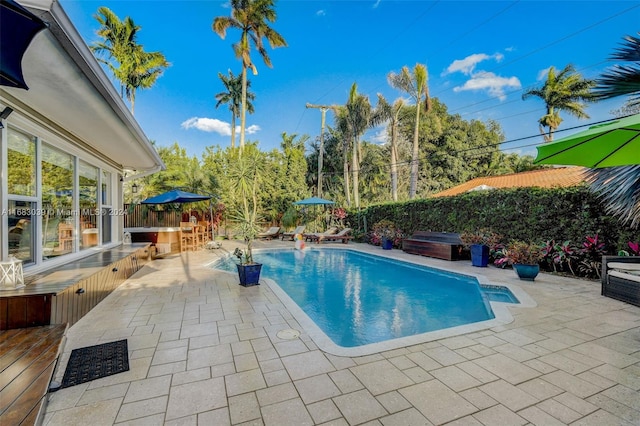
479 255
526 272
249 274
387 244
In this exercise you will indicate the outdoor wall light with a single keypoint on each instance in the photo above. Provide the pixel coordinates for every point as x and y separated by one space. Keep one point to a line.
134 188
6 112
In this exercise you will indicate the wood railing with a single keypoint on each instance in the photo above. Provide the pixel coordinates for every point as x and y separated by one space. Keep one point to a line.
143 216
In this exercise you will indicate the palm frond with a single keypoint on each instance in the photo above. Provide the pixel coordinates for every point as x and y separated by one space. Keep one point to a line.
619 189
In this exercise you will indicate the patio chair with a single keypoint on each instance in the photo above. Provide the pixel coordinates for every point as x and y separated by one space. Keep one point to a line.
342 236
270 234
315 235
290 235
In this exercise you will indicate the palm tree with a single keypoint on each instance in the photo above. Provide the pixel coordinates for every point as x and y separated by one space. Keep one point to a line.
142 71
251 17
118 39
417 87
564 91
233 98
619 187
622 79
356 117
130 64
386 112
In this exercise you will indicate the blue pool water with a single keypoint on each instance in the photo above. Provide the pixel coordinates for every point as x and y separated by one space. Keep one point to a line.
357 298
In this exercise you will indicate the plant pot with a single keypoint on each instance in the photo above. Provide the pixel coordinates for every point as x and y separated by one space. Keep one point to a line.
526 272
479 255
387 244
249 274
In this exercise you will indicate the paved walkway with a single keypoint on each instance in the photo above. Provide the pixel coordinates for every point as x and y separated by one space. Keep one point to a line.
205 351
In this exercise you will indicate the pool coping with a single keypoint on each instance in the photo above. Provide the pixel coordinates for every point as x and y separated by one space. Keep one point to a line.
501 311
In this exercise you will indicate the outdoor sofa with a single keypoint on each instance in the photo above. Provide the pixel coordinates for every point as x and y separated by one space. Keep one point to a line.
621 278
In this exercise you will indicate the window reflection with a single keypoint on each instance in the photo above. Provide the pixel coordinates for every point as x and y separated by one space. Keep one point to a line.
88 179
58 222
21 162
21 218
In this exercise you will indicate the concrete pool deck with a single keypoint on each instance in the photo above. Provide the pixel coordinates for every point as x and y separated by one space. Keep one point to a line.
204 350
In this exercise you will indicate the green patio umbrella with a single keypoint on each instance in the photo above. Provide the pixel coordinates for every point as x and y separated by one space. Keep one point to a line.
616 143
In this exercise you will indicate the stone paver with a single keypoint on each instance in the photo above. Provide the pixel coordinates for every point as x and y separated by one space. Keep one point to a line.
204 350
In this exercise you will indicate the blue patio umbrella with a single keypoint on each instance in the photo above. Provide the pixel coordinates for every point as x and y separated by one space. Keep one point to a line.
18 26
314 201
176 196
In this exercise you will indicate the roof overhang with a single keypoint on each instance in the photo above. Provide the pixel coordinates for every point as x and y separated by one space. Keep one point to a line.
70 92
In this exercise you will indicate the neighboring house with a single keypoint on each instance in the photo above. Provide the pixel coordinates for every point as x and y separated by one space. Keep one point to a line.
543 178
65 151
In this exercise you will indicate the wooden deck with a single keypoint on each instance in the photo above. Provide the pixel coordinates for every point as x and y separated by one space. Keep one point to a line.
28 358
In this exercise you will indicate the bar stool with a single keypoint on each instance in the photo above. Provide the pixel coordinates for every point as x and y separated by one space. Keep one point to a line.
188 236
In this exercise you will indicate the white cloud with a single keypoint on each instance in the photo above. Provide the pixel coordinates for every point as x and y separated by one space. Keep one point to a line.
490 82
208 125
467 65
321 12
251 129
542 74
375 5
213 125
379 136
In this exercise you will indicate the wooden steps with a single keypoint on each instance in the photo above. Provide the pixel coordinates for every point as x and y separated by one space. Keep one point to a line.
28 358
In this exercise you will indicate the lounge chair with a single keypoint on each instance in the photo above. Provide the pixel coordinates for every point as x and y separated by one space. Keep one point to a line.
290 235
315 235
342 236
270 234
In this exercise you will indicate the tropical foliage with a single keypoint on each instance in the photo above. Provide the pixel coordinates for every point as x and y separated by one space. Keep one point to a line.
619 187
565 91
130 64
252 18
622 80
417 87
232 97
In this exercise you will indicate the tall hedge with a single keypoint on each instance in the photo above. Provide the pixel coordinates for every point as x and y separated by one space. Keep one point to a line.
529 214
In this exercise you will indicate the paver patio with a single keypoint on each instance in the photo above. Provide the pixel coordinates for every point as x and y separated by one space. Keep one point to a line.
204 350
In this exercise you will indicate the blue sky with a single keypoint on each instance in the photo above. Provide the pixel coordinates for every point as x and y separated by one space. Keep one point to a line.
480 56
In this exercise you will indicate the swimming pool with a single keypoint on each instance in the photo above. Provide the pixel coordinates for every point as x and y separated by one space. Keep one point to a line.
360 299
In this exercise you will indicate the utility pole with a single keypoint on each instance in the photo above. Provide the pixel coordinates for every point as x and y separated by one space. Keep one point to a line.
323 109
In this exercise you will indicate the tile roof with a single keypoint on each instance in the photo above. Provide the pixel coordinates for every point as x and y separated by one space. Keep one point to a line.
543 178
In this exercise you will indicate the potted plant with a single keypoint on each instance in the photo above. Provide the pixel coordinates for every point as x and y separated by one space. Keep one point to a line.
246 176
480 243
248 270
385 230
525 258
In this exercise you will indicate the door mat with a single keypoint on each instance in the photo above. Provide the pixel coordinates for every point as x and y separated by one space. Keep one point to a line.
95 362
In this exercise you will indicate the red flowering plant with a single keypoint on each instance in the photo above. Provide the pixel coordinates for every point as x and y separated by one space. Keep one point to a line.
634 249
592 251
519 252
339 215
386 229
482 236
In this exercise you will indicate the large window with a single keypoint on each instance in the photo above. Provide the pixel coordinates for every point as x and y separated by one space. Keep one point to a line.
88 189
21 162
22 219
58 221
107 218
58 202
